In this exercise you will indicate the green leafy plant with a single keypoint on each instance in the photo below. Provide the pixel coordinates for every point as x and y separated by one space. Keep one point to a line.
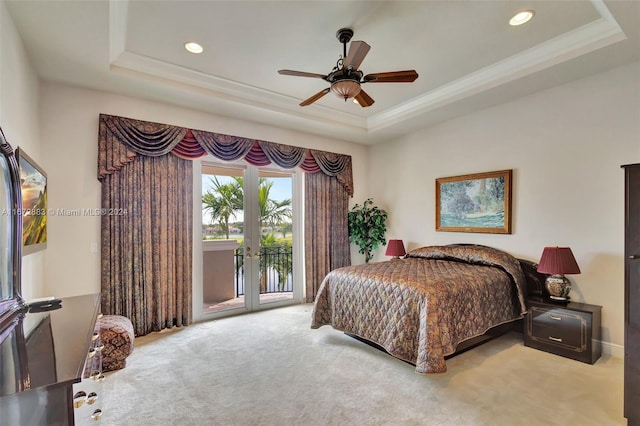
367 226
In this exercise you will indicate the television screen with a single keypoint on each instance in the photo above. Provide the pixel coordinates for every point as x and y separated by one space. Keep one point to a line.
33 183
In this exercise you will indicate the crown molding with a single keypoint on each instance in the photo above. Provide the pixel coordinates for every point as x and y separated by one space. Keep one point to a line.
582 40
118 12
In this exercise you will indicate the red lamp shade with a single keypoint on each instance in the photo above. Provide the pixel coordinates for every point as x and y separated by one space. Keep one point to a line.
558 260
395 248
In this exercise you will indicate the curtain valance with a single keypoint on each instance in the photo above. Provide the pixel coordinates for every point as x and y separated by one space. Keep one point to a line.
121 139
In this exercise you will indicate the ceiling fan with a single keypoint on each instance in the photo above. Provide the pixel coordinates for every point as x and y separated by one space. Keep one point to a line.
346 79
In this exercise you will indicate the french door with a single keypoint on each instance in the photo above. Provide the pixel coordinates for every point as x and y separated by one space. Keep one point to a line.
251 255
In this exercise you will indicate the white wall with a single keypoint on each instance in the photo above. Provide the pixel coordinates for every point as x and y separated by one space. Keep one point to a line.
70 126
19 122
565 146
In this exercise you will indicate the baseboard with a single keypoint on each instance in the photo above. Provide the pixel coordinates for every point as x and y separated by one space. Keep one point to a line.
611 349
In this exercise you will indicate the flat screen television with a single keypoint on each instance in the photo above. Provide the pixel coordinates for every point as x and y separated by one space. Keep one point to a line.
33 186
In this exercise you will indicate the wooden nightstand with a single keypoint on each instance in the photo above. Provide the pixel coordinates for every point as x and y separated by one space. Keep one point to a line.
571 330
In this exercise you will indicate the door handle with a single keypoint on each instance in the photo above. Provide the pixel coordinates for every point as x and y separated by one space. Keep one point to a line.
634 256
249 255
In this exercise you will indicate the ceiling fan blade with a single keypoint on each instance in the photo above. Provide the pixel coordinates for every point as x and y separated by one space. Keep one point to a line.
301 74
315 97
391 77
364 100
357 51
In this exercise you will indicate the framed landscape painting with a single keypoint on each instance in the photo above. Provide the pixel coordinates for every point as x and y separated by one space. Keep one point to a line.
478 202
33 183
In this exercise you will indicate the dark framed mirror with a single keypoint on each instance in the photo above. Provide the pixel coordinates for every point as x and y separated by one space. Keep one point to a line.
11 301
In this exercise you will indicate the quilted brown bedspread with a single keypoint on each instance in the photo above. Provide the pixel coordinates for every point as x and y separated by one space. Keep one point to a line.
419 308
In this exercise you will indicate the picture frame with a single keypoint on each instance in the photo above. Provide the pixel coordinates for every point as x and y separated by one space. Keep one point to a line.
479 202
33 184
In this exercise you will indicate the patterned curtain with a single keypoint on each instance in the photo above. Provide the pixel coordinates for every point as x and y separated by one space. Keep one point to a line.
145 170
326 209
147 243
122 139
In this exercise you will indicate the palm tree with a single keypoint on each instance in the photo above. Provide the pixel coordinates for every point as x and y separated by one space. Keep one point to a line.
272 212
222 202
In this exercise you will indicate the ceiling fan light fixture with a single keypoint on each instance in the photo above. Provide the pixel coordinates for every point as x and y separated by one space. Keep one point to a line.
345 89
522 17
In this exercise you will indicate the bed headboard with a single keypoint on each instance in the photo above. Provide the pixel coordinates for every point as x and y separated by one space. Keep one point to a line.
535 279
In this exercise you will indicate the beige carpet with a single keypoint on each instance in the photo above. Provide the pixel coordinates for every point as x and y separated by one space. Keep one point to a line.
270 368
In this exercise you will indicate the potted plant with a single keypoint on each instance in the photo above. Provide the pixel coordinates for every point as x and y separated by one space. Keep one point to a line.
367 226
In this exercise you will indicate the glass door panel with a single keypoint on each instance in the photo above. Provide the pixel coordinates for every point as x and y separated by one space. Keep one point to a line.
275 201
223 239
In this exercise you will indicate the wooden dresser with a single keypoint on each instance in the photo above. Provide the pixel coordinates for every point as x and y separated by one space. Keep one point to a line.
632 295
43 360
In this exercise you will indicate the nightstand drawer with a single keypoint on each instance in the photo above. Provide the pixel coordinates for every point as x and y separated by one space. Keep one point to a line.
559 327
571 330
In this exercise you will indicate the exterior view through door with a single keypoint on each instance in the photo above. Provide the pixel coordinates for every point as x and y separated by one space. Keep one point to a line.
247 237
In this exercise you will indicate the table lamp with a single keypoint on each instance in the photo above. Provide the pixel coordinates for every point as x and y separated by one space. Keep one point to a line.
558 261
395 248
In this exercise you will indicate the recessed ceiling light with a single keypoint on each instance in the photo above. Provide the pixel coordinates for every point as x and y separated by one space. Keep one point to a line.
193 47
522 17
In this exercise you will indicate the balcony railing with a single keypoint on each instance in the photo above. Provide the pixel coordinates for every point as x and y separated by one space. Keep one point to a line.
275 272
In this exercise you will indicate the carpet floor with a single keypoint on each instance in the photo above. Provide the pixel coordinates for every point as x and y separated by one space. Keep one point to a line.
270 368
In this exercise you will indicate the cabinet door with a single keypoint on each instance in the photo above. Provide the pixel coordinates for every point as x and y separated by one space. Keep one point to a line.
632 294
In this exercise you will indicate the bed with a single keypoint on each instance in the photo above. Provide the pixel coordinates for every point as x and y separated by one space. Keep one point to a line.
433 303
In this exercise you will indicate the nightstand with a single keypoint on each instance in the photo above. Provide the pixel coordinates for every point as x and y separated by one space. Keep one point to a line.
571 330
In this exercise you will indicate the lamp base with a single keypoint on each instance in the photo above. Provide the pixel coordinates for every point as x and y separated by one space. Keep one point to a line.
558 287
